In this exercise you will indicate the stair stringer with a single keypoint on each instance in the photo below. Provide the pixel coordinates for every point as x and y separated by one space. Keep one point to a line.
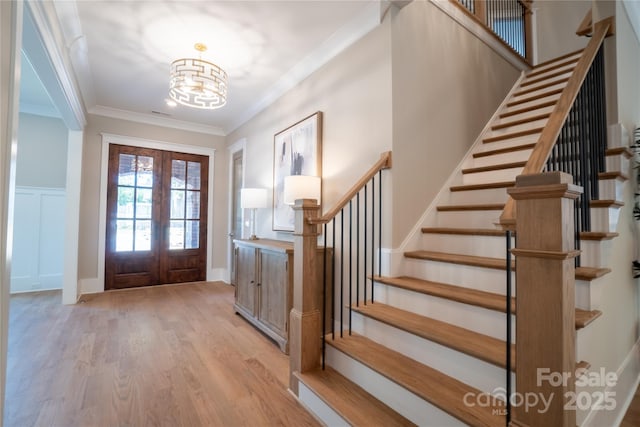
392 259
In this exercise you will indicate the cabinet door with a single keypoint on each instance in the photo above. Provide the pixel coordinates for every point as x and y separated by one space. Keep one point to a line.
273 281
245 278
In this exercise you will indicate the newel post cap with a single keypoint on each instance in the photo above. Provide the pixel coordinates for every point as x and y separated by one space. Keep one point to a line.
547 185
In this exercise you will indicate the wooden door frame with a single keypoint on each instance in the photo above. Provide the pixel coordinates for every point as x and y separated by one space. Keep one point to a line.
240 145
107 139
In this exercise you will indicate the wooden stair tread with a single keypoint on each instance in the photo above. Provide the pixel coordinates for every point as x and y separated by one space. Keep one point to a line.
483 347
539 70
521 121
582 273
451 292
534 97
431 385
558 58
613 175
597 235
620 150
478 207
477 261
585 317
349 400
504 150
606 204
511 135
494 167
467 187
547 77
469 296
542 86
527 109
494 232
591 273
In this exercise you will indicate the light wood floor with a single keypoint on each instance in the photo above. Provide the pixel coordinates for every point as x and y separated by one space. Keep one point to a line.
162 356
632 417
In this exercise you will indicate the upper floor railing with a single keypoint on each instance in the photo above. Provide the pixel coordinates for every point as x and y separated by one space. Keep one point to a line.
508 20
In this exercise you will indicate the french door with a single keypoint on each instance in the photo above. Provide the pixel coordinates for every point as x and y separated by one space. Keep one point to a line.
156 217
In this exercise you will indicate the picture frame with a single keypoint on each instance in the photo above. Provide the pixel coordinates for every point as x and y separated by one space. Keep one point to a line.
297 150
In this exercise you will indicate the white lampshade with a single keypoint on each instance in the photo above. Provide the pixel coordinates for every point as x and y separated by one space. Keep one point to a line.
253 198
301 187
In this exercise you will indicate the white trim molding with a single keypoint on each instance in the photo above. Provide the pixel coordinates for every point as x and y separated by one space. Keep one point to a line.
95 285
70 288
240 145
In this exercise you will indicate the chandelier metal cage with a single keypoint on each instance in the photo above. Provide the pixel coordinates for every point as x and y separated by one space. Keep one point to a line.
198 83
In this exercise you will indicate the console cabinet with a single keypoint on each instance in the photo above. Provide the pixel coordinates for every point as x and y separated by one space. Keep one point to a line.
264 286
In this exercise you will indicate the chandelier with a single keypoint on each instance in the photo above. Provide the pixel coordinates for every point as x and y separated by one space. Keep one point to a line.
198 83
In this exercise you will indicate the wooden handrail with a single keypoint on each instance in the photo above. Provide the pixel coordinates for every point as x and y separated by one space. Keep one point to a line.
551 131
383 163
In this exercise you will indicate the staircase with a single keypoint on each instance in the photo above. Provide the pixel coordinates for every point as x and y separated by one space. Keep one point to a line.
434 340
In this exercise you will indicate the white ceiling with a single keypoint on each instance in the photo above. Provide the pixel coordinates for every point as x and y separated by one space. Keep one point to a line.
121 51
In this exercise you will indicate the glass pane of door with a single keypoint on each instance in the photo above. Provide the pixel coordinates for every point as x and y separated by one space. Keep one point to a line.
134 203
185 205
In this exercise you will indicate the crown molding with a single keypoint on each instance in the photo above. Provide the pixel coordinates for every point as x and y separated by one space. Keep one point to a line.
132 116
344 37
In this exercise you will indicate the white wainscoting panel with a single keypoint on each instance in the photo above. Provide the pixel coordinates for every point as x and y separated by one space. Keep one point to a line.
38 239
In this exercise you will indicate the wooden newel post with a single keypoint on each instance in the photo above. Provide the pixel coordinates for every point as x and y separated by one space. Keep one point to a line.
545 299
305 320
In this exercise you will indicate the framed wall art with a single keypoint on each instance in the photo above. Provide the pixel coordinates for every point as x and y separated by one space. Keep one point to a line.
297 150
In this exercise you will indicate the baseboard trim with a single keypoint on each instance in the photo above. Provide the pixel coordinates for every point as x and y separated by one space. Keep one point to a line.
624 389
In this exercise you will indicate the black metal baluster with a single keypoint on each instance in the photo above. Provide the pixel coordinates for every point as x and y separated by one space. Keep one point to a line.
333 282
350 261
379 227
508 361
373 232
358 249
324 293
364 258
341 272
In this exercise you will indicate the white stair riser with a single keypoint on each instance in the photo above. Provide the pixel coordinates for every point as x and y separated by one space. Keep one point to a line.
480 278
523 116
477 319
517 128
396 397
595 253
468 219
489 246
509 143
319 408
557 61
567 70
468 369
491 176
547 80
611 189
531 104
489 195
618 163
499 159
604 219
589 294
538 92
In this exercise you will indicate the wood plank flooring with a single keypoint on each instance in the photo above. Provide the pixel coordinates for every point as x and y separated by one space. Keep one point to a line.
163 356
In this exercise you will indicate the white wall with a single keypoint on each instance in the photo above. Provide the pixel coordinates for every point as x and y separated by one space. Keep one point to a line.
557 22
42 152
446 85
353 91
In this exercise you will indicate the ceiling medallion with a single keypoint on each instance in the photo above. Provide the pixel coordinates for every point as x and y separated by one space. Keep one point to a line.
198 83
